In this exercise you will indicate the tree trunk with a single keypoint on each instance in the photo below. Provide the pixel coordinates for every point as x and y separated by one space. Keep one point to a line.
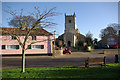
23 60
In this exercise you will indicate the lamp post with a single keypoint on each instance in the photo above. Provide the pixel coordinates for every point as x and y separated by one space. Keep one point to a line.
54 44
117 55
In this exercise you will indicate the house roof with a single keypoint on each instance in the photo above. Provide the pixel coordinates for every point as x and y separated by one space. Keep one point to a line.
17 31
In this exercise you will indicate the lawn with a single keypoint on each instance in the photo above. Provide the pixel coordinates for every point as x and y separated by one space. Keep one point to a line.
111 71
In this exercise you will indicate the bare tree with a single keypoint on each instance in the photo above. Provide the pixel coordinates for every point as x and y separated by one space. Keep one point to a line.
114 25
108 31
36 19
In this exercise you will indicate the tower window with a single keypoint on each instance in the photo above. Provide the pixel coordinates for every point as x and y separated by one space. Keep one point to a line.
69 21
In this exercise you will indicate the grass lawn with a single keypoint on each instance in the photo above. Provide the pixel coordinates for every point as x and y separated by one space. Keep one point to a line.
111 71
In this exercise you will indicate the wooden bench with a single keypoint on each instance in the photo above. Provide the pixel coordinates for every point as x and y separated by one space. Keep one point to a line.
95 60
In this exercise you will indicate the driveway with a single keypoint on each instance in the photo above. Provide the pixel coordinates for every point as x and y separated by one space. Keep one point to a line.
74 59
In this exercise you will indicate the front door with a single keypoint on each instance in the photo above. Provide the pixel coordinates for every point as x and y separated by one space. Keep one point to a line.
69 44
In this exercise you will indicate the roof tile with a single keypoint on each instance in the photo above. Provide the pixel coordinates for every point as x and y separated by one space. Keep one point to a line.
17 31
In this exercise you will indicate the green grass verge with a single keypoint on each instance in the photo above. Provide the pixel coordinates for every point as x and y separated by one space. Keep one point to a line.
112 71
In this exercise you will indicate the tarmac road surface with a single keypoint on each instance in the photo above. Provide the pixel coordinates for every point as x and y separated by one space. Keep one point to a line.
74 59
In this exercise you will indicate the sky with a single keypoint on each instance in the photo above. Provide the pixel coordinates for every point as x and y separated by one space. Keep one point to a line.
90 16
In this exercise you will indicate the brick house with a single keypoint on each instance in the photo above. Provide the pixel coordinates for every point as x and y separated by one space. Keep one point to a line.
110 40
109 37
10 46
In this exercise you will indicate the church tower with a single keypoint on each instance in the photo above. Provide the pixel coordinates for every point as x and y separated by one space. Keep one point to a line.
70 30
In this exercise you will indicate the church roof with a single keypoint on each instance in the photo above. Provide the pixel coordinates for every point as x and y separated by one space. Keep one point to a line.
80 35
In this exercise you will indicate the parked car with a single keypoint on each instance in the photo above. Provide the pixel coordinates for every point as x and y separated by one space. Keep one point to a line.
115 46
66 50
106 47
111 47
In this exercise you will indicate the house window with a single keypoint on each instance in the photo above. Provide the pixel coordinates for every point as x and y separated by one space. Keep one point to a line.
33 37
3 46
35 46
13 38
69 21
110 41
10 46
42 46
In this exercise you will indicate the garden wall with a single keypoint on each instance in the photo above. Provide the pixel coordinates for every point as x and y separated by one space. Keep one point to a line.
58 52
112 51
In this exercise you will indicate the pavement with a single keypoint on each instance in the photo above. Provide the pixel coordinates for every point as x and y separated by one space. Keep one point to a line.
74 59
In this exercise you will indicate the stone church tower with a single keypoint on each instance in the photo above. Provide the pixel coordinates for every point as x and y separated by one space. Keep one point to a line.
70 30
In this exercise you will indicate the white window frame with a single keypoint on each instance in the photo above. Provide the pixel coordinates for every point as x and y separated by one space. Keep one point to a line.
34 47
38 47
10 47
34 37
11 38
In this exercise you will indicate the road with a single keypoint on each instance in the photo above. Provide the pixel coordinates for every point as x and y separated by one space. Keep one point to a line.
74 59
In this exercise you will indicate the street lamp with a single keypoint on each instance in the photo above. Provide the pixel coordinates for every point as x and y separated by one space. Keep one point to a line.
54 44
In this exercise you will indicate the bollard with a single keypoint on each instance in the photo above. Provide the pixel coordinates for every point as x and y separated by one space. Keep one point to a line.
116 58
